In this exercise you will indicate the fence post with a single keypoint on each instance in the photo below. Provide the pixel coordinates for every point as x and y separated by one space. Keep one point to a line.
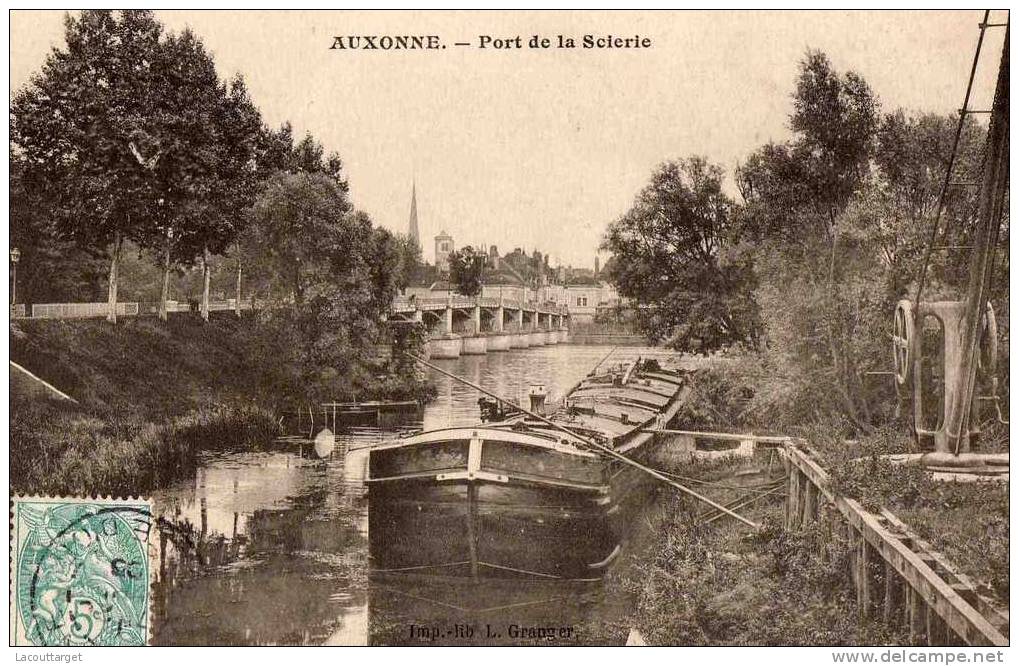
893 595
863 582
792 498
917 617
809 503
936 629
803 483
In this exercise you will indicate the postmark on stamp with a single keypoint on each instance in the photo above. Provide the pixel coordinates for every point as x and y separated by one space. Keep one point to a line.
80 569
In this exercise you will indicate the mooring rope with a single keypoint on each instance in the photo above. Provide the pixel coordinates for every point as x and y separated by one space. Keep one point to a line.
418 567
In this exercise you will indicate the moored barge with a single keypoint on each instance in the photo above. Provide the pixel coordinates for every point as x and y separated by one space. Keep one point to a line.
518 497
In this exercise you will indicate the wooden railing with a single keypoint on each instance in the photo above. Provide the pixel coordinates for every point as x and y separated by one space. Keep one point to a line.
895 573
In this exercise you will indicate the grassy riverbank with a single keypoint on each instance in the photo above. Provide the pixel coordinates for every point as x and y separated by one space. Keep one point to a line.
718 584
152 395
723 584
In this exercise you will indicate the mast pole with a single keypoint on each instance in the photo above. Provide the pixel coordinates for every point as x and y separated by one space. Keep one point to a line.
992 194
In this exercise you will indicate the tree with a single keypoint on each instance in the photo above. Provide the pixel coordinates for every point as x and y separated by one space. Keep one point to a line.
669 257
339 271
835 119
813 251
136 139
74 126
411 263
467 270
278 152
291 217
203 159
911 156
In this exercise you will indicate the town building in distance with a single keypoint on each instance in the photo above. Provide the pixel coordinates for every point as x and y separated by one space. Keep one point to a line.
518 275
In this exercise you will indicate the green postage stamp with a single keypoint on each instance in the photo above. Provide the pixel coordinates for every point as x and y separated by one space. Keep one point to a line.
80 571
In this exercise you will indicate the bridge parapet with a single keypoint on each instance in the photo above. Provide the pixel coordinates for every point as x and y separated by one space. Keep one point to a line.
407 304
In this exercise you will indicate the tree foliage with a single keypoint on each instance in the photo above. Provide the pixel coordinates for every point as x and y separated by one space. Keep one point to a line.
51 267
839 218
669 257
129 135
332 273
830 233
411 264
202 158
128 138
467 270
815 253
74 124
279 152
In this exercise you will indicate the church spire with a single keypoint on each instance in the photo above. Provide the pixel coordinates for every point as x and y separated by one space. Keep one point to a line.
413 230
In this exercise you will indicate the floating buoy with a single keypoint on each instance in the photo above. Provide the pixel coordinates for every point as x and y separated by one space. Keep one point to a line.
325 443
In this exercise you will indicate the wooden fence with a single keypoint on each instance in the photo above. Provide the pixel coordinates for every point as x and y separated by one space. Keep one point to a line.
897 576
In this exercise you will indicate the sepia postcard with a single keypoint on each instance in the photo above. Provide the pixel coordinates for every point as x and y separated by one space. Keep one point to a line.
510 328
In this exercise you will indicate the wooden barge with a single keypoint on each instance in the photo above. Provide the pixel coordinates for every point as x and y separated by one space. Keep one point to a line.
519 497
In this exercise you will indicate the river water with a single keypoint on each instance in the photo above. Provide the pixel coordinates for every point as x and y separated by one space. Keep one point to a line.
272 547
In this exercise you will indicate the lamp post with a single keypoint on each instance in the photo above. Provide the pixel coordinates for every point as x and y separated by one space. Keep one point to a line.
15 257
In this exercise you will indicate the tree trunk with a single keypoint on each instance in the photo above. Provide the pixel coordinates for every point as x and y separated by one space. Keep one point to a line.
164 296
205 284
237 300
111 315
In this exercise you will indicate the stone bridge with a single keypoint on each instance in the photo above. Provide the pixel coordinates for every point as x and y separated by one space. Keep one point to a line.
477 324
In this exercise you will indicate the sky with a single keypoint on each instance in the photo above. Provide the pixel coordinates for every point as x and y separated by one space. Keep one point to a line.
543 148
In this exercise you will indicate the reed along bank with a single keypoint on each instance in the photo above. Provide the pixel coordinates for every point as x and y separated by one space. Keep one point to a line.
151 395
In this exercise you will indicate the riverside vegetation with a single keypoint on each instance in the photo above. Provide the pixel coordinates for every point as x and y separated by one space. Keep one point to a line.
721 584
799 276
153 395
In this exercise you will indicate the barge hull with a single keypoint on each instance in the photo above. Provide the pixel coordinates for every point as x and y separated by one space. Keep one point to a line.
519 498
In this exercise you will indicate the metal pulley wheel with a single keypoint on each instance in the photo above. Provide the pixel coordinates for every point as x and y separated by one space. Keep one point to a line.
904 341
987 356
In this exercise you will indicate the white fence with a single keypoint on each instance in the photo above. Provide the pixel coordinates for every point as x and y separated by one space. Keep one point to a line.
80 310
125 309
185 306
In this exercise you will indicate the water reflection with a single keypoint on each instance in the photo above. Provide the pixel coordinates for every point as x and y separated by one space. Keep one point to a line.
272 548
